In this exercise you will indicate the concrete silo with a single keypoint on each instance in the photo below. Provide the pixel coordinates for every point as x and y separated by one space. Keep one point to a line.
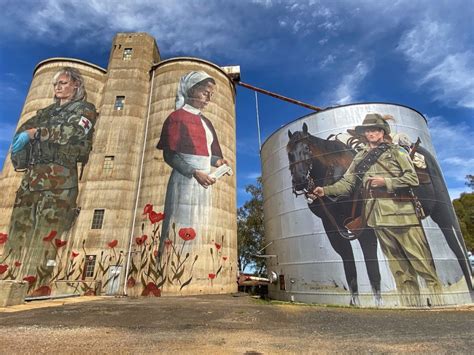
309 257
210 254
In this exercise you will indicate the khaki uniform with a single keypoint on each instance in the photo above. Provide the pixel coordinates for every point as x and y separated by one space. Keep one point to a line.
46 199
395 222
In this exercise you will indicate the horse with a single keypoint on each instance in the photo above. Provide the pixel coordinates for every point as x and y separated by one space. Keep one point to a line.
318 162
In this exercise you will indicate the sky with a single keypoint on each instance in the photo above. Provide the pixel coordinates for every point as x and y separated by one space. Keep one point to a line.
326 53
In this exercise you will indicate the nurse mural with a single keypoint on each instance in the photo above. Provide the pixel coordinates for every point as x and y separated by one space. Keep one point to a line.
190 146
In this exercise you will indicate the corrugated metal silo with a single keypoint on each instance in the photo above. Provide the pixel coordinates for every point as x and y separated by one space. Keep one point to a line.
310 260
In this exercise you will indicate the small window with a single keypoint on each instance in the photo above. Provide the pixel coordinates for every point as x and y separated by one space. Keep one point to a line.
98 219
108 164
127 54
89 266
119 102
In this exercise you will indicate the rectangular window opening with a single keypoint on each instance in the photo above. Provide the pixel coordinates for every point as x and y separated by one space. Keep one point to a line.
108 164
119 103
89 266
127 54
97 219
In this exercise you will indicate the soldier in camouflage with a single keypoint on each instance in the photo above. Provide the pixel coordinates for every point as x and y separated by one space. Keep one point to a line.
386 174
48 147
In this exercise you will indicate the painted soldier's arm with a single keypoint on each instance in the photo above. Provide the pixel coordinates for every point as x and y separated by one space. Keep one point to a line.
407 176
75 128
345 185
177 162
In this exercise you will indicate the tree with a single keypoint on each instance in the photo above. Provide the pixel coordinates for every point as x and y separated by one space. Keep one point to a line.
470 181
464 207
250 230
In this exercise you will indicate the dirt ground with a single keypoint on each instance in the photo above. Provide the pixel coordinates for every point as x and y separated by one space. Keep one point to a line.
229 324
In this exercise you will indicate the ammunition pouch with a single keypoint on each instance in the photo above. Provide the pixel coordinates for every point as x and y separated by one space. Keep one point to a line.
21 159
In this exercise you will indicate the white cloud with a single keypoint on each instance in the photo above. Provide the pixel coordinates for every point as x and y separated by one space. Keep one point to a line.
347 89
455 149
442 65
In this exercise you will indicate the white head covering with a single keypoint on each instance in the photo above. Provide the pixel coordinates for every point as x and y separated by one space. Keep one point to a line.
186 83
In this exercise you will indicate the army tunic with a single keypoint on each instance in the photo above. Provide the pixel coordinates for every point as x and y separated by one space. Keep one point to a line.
46 199
394 221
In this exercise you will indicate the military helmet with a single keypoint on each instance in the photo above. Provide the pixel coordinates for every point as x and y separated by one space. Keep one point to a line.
373 120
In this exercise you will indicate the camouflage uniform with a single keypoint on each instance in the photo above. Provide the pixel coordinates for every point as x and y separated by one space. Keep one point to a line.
395 222
46 199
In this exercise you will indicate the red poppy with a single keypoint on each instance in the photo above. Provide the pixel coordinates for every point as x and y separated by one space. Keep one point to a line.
74 254
148 208
3 268
90 292
212 276
41 291
155 253
224 258
131 282
151 290
141 240
60 243
113 243
155 217
187 234
50 236
3 238
218 246
30 279
17 263
168 243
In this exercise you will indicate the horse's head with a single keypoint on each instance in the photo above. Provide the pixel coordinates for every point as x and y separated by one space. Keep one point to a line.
300 158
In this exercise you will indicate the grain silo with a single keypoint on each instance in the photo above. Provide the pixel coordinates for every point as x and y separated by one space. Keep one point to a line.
313 254
40 95
199 254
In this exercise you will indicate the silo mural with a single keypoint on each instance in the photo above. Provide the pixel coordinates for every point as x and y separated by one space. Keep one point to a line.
47 148
358 212
188 191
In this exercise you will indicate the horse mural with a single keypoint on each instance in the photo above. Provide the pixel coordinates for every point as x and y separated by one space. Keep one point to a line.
318 162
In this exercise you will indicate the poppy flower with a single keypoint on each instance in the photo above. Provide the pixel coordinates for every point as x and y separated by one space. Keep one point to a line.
74 254
151 290
155 253
131 282
187 234
148 208
218 246
60 243
168 243
212 276
3 268
113 243
3 238
141 240
30 279
155 217
90 292
17 264
224 258
41 291
50 236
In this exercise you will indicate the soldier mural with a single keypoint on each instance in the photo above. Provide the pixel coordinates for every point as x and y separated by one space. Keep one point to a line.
47 148
368 187
191 147
383 175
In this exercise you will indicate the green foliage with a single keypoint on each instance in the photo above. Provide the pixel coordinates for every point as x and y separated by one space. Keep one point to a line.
250 229
470 181
464 207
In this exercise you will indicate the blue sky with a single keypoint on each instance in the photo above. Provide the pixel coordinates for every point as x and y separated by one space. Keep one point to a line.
415 53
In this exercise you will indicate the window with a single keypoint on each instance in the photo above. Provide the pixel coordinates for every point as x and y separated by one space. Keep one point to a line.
98 219
127 54
89 266
108 164
119 102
